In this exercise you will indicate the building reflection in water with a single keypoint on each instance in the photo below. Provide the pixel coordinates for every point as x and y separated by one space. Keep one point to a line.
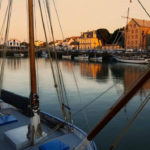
91 70
14 63
129 74
133 74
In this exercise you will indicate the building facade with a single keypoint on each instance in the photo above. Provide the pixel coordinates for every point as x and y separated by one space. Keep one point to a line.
111 47
89 40
136 34
13 44
39 43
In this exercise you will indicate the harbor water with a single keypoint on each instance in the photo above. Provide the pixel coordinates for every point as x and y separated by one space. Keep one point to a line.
100 85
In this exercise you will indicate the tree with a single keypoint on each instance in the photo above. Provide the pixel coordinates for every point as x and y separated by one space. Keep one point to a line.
24 44
104 36
118 37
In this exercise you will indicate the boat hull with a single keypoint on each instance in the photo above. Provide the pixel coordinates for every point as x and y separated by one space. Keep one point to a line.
134 61
82 58
54 127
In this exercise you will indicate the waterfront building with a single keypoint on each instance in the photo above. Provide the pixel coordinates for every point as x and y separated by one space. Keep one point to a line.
39 43
13 44
137 33
71 42
89 40
111 47
148 41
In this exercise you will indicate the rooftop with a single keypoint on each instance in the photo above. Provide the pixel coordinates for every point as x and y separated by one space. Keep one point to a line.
141 22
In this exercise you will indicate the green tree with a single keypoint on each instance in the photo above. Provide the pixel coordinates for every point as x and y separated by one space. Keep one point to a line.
118 37
104 36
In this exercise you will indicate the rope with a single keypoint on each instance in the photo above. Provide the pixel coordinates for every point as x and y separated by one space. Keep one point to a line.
5 39
78 91
144 8
59 91
61 86
116 37
0 3
130 123
4 21
51 64
57 127
55 52
47 20
92 101
58 20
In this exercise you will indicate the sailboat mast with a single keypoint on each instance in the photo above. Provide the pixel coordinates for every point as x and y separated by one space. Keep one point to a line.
34 128
126 30
32 55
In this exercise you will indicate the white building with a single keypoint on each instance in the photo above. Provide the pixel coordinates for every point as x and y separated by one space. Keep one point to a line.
13 44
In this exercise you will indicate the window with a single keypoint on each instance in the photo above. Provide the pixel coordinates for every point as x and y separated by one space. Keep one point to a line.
136 42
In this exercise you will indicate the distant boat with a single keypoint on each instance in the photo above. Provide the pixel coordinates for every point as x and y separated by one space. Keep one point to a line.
66 57
44 55
134 60
18 54
96 59
82 57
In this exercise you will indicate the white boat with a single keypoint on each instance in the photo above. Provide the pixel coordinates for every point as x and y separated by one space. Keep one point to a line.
44 55
96 59
82 57
134 60
66 57
18 54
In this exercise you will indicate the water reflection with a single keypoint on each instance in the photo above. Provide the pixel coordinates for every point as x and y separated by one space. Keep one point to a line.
129 73
14 63
93 80
89 70
125 74
121 74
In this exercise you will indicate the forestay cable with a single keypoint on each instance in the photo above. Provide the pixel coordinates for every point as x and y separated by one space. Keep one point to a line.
51 64
58 19
5 40
101 94
61 87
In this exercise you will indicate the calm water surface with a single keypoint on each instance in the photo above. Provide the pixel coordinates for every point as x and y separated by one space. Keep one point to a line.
93 80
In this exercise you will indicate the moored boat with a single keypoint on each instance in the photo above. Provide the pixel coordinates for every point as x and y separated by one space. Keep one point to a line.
66 57
82 57
96 59
56 131
135 60
44 55
18 54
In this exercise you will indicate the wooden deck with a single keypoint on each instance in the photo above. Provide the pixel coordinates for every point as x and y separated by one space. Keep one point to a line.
70 138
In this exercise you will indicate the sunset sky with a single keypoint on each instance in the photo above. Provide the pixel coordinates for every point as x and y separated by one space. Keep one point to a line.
76 16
